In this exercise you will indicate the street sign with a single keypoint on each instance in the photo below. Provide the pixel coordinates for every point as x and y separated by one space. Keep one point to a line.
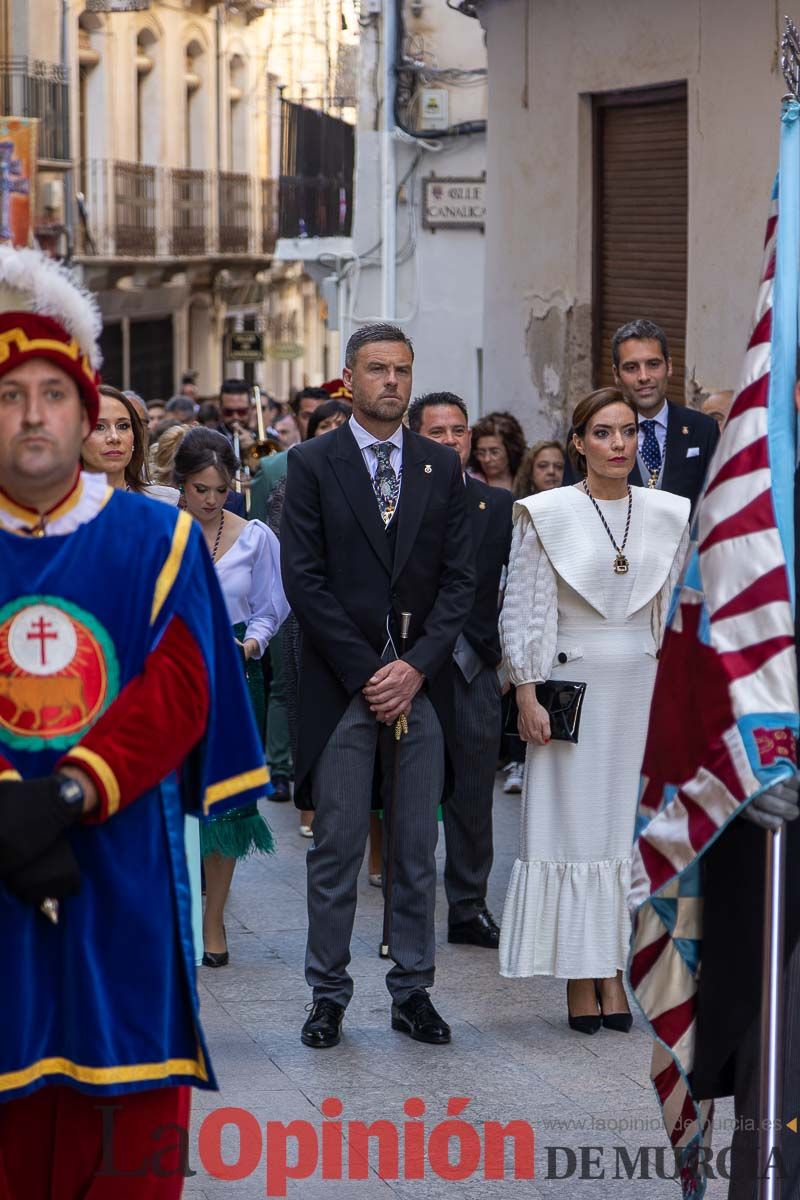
286 351
245 345
453 203
114 6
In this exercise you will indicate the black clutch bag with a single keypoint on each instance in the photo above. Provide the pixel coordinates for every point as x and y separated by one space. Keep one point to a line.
564 703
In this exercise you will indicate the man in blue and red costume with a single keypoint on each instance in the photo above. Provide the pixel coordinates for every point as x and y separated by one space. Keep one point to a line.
122 706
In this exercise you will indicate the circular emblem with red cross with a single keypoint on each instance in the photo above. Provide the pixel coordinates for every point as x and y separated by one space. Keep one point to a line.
58 672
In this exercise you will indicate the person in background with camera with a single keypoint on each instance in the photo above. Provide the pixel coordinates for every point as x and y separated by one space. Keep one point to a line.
591 572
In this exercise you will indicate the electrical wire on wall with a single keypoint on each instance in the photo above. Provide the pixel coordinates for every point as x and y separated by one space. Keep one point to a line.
415 65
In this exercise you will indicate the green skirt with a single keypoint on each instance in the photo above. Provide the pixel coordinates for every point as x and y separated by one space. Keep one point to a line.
243 831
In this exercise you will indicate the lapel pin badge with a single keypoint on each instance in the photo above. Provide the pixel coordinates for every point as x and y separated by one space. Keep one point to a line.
482 504
428 468
685 429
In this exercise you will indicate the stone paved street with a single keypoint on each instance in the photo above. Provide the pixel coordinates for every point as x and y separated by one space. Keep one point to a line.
512 1053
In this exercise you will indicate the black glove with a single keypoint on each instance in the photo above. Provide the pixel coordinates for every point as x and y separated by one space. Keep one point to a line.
53 875
33 815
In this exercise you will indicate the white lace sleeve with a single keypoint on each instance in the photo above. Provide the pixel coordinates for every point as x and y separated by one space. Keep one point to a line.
664 597
529 618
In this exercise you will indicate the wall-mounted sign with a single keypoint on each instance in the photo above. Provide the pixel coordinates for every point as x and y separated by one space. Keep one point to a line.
450 203
112 6
17 179
245 345
286 351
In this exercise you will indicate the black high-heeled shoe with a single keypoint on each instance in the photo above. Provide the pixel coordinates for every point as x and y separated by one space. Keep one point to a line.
587 1024
217 959
618 1022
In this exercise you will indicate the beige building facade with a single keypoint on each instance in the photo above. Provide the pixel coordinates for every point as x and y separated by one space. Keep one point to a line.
631 151
171 175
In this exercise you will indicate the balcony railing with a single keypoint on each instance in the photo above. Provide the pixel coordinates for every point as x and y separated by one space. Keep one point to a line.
234 213
269 215
191 206
314 207
29 88
133 210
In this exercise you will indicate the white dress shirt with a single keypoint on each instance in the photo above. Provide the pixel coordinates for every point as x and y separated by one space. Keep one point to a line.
367 442
660 430
250 577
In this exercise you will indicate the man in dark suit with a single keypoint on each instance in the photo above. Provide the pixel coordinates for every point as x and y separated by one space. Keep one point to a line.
675 443
442 416
374 525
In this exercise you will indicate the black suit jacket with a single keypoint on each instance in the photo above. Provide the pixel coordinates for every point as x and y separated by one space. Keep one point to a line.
683 474
344 587
490 514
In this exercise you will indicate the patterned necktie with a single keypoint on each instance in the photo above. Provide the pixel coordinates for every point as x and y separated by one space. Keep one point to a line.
385 482
651 452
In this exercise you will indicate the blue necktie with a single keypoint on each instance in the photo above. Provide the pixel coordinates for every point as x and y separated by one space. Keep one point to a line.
385 482
651 452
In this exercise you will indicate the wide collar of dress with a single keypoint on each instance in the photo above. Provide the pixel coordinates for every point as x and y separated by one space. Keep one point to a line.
568 529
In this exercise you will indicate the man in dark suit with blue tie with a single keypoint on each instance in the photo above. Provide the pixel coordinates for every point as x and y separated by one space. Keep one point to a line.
675 443
442 416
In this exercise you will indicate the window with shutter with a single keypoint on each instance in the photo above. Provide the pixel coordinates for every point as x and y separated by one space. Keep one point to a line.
640 220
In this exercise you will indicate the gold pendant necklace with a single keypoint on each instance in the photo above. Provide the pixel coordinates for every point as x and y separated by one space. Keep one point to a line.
621 564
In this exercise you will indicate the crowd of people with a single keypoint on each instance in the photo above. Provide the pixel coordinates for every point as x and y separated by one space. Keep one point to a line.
376 600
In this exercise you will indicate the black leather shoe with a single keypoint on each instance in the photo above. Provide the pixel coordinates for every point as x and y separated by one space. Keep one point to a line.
323 1027
281 791
480 930
417 1017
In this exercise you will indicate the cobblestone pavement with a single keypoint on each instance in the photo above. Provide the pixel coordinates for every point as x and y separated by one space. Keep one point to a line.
512 1056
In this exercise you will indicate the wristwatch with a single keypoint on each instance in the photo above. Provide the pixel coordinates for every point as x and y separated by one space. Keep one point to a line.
71 795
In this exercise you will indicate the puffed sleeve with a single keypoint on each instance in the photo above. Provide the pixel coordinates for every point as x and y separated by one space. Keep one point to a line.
529 618
664 597
268 605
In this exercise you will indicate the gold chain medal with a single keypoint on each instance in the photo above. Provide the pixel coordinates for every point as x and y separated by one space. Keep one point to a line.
653 480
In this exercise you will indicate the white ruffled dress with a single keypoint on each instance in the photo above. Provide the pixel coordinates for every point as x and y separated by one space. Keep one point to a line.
567 615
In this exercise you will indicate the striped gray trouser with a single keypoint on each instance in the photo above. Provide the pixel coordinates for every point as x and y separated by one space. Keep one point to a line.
342 791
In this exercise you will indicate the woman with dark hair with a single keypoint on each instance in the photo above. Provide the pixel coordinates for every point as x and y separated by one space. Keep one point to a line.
328 416
591 571
117 447
498 448
247 559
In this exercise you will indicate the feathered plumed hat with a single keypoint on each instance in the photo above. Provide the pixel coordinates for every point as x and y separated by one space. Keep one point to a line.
45 314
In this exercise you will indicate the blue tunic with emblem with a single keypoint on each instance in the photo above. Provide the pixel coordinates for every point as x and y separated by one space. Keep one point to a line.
106 1000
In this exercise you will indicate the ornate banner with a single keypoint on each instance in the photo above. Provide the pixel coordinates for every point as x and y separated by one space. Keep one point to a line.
17 179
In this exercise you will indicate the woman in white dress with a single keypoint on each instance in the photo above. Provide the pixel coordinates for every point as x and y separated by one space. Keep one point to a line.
247 559
591 572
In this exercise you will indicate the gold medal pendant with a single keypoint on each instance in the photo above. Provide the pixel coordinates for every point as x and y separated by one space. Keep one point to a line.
621 564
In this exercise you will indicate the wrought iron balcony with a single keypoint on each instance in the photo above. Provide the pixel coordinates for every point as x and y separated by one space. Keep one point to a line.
269 215
131 210
191 206
234 213
314 207
30 88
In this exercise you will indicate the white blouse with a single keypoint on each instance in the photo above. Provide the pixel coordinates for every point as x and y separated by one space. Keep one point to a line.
250 577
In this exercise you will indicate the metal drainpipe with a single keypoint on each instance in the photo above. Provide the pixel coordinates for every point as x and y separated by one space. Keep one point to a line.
388 165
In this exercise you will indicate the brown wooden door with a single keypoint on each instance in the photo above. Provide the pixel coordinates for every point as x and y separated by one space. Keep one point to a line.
640 220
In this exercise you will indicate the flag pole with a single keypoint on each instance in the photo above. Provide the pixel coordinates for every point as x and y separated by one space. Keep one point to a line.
771 1048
